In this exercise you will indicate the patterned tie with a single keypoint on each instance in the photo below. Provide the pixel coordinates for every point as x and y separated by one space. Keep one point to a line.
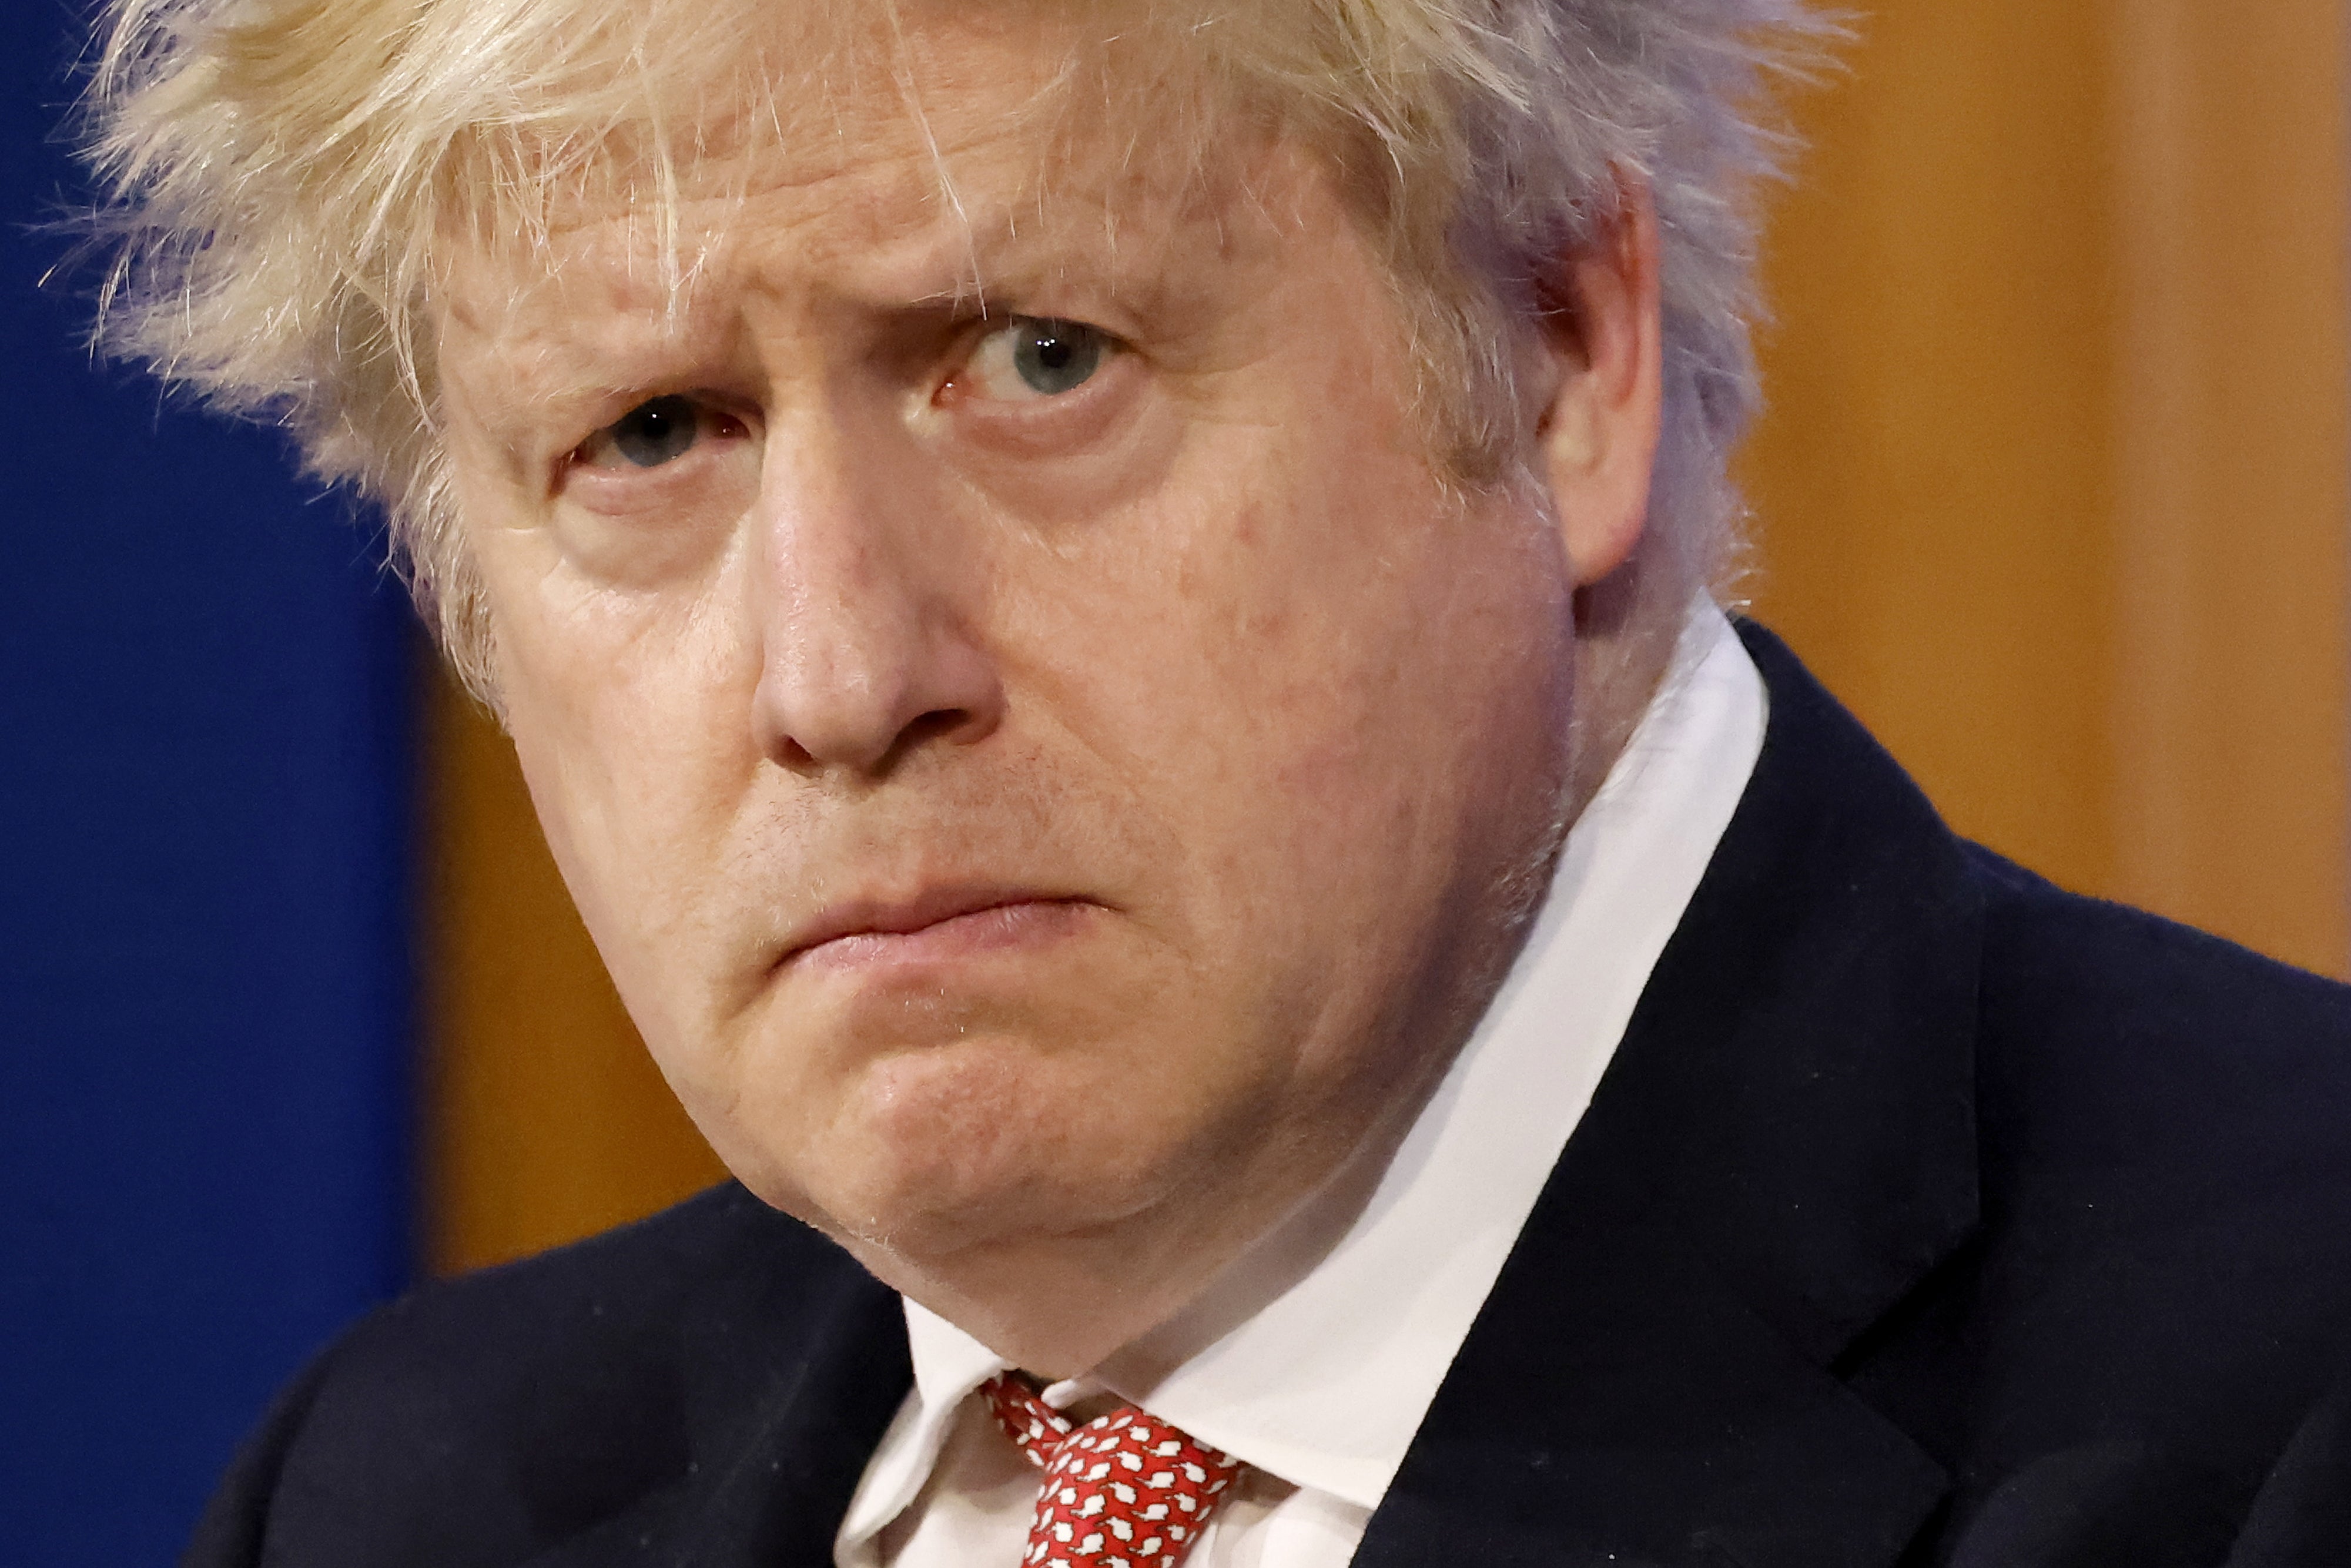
1121 1491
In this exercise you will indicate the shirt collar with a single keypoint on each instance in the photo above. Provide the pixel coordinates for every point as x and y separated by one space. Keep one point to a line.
1315 1356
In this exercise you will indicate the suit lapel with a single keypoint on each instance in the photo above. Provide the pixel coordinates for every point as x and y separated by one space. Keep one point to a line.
793 1376
1784 1144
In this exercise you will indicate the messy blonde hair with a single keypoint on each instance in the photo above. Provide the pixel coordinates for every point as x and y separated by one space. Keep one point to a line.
284 178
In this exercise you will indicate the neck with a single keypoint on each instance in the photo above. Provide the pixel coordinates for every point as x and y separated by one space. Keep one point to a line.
1628 626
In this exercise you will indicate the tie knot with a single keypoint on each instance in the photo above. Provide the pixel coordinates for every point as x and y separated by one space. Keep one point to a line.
1121 1489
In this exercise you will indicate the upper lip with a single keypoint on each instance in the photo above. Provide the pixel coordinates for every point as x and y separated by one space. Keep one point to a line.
896 916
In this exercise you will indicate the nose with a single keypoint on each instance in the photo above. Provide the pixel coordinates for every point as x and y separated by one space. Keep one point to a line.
868 648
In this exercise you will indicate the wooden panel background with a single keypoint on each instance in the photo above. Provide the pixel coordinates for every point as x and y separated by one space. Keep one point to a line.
2053 487
2053 490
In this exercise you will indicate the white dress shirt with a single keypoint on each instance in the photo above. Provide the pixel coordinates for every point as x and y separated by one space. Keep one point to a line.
1314 1357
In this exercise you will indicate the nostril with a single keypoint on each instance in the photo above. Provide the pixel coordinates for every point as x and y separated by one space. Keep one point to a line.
936 725
795 750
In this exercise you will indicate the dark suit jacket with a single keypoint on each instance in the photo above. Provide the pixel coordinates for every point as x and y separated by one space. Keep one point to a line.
1927 1214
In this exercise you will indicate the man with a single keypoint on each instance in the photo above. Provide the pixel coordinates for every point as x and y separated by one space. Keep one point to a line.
1104 606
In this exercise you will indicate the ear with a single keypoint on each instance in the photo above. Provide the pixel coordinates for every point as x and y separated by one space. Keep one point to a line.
1597 433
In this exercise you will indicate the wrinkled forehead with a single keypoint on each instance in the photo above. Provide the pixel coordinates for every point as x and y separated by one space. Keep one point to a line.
883 137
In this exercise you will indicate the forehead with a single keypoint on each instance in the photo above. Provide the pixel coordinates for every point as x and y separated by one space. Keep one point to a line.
911 153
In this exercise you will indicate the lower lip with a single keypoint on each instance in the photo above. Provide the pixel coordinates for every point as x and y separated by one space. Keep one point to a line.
1001 928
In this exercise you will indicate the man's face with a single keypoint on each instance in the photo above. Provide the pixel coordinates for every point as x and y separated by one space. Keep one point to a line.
1024 777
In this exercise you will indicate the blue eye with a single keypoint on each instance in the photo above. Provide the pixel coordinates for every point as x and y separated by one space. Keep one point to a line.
1053 357
652 434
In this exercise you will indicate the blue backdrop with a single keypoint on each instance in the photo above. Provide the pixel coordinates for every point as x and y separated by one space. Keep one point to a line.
205 1018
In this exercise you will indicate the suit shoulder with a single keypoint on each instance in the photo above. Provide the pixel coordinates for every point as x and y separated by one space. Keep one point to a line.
477 1417
2109 1034
629 1289
634 1272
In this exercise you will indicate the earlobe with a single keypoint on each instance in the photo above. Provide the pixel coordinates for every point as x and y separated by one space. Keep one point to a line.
1598 432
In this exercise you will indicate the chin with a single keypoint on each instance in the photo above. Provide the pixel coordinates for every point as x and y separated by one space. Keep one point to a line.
976 1145
930 1217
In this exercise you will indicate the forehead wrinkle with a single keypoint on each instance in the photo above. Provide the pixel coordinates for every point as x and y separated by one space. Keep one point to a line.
858 217
586 291
898 244
966 115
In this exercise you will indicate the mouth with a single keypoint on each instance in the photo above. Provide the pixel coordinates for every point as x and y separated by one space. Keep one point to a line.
939 923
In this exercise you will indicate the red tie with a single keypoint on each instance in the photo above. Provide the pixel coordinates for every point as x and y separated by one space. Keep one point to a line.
1123 1491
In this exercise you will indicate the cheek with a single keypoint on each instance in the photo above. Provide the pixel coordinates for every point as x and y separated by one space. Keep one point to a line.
1314 685
1335 666
630 729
